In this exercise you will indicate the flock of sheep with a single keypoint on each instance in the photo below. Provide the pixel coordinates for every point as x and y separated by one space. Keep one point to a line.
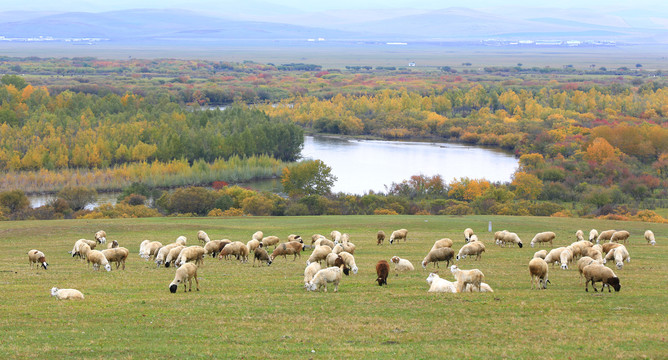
337 253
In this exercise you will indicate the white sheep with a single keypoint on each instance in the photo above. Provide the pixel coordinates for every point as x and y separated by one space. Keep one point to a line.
293 237
319 254
163 252
330 260
649 236
236 248
270 241
473 238
173 254
538 270
467 234
435 255
181 240
584 261
540 254
101 236
579 235
349 260
112 245
620 254
620 236
484 288
324 241
401 265
554 256
203 237
66 294
324 276
605 235
253 244
117 255
565 257
150 249
438 284
473 277
445 242
511 238
399 234
191 253
498 236
258 235
142 247
595 272
593 235
76 250
335 236
593 253
473 248
214 247
609 246
186 272
542 237
37 257
310 272
98 259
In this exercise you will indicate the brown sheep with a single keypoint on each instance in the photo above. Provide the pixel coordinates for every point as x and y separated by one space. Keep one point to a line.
380 237
261 255
290 248
37 257
382 270
237 248
117 255
596 272
620 236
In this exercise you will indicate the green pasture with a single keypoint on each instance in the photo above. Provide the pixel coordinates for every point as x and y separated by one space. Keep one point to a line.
263 312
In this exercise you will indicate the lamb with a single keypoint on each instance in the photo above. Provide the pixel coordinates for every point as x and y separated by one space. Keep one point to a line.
101 237
293 237
473 248
186 272
542 237
37 257
173 254
565 257
380 237
112 245
540 254
349 260
97 258
554 256
290 248
437 284
538 270
319 254
445 242
324 241
620 236
237 248
436 255
619 254
401 265
117 255
181 240
609 246
214 247
593 235
511 238
649 236
310 271
76 250
399 234
270 241
595 272
484 287
261 255
66 294
382 270
150 249
605 235
467 234
579 235
163 252
203 237
584 261
335 236
324 276
473 277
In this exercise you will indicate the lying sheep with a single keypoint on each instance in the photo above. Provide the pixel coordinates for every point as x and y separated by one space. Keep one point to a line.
181 240
398 235
380 237
151 249
236 248
66 294
37 257
538 270
605 236
620 236
173 254
290 248
473 248
595 272
540 254
319 254
349 260
584 261
467 234
649 236
543 237
98 259
261 255
593 235
186 272
436 255
326 242
554 256
473 277
117 255
401 265
112 245
335 236
620 254
579 235
270 241
203 237
76 250
437 284
382 270
101 237
565 257
325 276
484 288
511 238
445 242
310 272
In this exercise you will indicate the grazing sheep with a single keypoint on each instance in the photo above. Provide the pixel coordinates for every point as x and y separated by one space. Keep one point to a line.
649 236
330 260
398 235
236 248
595 272
554 256
498 236
117 255
579 235
66 294
473 238
565 257
37 257
335 236
380 237
620 254
579 247
593 235
293 237
473 277
540 254
543 237
101 237
538 270
181 240
620 236
142 247
593 253
584 261
163 252
437 284
346 246
382 270
484 288
150 249
401 265
270 241
467 234
76 250
511 238
605 236
436 255
349 260
173 254
315 237
203 237
445 242
325 241
473 248
261 255
253 244
310 271
324 276
186 272
319 254
258 235
112 245
609 246
97 258
290 248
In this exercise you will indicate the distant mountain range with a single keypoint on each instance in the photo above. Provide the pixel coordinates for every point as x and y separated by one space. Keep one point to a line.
408 25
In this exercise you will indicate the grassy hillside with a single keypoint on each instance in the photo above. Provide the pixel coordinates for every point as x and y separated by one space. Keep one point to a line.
264 312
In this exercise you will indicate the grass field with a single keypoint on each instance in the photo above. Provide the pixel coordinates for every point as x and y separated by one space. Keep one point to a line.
264 312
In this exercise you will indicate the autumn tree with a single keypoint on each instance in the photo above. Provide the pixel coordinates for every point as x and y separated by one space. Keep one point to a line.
527 186
15 200
311 177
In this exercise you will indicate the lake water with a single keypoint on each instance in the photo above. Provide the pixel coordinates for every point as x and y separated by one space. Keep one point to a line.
363 165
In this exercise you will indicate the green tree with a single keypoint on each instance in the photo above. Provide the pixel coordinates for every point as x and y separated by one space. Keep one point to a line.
18 81
311 177
14 200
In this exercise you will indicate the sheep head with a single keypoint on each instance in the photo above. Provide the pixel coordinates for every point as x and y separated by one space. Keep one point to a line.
615 283
520 244
620 265
107 267
173 288
395 259
564 266
311 286
346 271
54 291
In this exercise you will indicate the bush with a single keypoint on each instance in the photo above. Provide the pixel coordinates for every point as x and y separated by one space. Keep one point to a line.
14 201
258 205
296 209
385 212
197 200
78 196
224 202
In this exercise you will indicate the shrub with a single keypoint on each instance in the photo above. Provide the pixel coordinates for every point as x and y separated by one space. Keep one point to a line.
385 212
233 212
14 201
296 209
77 196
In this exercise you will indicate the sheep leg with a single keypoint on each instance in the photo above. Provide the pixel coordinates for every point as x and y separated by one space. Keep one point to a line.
196 283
